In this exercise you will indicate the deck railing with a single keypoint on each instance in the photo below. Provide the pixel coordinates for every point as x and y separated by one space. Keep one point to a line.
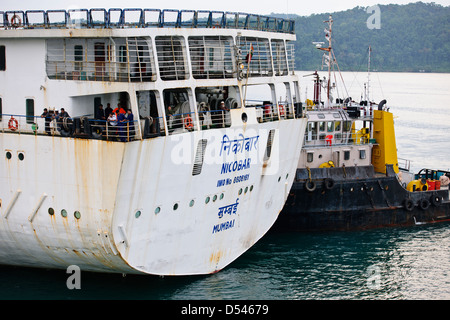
271 112
142 18
80 127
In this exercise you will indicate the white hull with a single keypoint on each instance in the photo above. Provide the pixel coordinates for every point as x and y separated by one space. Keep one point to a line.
116 188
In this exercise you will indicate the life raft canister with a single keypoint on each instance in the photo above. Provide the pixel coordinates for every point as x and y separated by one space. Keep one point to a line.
281 107
13 124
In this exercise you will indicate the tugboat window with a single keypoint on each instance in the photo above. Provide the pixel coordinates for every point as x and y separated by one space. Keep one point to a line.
330 126
362 154
346 155
2 58
310 157
322 126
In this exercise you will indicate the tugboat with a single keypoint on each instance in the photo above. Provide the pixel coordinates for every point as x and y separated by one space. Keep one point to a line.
157 163
349 177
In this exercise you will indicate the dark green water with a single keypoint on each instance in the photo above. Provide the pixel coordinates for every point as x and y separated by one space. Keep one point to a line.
396 263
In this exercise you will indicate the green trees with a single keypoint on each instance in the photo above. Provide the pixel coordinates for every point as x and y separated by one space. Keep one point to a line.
411 38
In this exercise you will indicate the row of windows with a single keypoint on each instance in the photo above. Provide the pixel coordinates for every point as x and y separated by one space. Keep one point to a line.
132 59
362 155
329 126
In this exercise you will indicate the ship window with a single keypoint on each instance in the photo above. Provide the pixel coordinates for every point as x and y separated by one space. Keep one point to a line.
211 57
337 126
362 154
310 157
330 126
346 155
2 58
255 54
322 126
78 55
30 110
279 57
347 126
123 54
171 58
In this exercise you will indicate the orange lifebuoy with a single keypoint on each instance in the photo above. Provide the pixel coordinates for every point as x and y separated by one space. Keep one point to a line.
188 122
13 124
16 21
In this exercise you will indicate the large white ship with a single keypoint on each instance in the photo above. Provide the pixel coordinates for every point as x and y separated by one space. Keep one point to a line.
186 182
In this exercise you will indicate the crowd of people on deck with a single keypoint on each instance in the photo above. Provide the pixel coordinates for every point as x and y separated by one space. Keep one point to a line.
119 121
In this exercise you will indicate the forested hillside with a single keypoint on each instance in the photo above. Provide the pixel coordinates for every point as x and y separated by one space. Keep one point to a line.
413 37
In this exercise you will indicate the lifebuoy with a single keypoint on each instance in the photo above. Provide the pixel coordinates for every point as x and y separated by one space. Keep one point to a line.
436 200
310 185
408 204
424 204
328 183
188 122
16 21
13 124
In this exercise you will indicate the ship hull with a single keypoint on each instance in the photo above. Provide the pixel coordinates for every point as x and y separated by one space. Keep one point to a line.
354 198
137 207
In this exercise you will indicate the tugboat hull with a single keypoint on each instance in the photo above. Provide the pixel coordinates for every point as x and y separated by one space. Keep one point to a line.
354 198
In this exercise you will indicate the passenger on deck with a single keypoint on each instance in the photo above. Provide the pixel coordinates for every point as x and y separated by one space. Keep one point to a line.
112 123
119 109
48 118
122 126
63 114
108 110
129 121
100 114
224 113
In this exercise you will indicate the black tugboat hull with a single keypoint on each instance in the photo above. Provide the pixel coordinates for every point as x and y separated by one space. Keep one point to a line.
332 199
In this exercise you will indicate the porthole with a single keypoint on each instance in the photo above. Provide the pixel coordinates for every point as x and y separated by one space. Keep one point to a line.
64 213
137 214
207 199
221 196
251 188
77 214
51 211
287 175
175 206
8 155
157 210
279 178
240 191
21 156
215 197
246 189
191 204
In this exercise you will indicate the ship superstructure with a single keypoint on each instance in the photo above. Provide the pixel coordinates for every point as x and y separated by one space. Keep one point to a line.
128 141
